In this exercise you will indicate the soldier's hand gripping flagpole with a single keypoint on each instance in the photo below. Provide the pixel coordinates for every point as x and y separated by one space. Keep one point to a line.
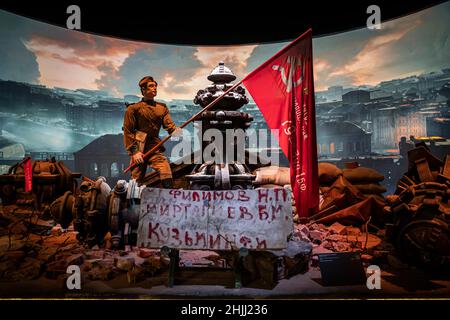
194 117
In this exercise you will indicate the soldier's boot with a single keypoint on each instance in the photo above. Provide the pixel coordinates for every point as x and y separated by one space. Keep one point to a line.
167 183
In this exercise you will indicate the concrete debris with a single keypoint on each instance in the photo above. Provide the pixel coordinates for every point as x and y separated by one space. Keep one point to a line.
56 230
338 228
95 254
197 258
340 238
216 259
28 269
47 254
75 259
56 268
316 236
124 263
296 257
336 237
90 264
101 270
352 231
145 253
136 274
151 266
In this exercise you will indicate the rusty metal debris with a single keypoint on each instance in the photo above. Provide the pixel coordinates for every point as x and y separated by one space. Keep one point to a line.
420 212
51 179
101 214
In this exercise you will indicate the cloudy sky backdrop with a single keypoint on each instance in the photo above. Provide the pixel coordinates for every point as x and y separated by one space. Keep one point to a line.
39 53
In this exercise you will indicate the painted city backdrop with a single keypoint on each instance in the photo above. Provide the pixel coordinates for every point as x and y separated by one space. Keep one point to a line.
63 93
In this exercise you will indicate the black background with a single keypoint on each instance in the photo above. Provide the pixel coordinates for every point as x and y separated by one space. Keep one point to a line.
214 22
170 309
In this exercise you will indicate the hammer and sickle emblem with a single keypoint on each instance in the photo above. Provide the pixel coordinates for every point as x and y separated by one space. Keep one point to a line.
288 80
287 127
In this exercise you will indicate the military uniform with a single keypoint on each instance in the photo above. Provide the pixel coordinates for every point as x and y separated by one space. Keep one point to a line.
142 123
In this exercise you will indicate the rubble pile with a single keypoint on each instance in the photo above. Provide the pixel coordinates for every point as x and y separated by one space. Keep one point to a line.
337 238
30 256
51 179
374 247
26 255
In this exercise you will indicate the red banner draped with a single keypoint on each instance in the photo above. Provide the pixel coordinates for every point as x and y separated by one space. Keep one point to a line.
28 175
283 89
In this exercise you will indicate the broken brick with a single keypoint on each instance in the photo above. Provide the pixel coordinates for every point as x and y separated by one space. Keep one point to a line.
76 259
337 228
124 264
145 253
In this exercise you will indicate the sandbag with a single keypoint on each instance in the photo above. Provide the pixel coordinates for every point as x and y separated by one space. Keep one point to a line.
371 188
342 194
269 186
362 175
328 173
44 167
324 190
272 175
376 197
283 177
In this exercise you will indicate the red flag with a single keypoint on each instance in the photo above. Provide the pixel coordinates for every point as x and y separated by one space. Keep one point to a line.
283 89
28 174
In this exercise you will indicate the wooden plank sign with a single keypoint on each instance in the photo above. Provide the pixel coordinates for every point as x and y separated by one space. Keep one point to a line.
217 220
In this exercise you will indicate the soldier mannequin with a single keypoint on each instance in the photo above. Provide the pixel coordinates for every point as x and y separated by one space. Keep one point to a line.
141 127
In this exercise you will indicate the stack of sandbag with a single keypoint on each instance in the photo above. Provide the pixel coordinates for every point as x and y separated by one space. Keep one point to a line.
348 196
366 180
275 177
340 195
272 176
328 174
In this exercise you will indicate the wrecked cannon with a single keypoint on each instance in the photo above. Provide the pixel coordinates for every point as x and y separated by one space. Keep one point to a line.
95 209
50 180
420 211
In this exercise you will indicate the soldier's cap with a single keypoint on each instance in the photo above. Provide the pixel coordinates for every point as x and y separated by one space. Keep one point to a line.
145 80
